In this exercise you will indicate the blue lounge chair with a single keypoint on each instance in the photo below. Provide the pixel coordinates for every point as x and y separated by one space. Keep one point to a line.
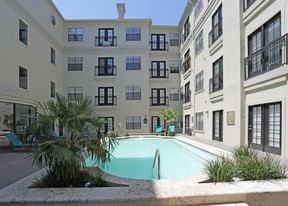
159 129
54 134
15 141
172 128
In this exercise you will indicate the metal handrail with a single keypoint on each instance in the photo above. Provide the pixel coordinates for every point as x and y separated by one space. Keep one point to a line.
157 154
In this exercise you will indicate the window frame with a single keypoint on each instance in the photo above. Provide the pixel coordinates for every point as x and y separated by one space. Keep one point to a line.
133 65
133 125
174 94
73 65
134 95
52 89
199 123
23 32
52 56
75 94
199 43
133 36
23 78
199 81
106 97
75 34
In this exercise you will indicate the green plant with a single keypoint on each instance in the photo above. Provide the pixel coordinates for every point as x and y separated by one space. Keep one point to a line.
126 134
169 115
260 168
65 157
171 134
220 170
112 134
243 152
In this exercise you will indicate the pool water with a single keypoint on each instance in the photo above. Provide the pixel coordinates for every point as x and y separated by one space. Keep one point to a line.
133 158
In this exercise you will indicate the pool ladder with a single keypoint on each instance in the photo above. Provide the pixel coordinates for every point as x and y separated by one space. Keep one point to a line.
157 154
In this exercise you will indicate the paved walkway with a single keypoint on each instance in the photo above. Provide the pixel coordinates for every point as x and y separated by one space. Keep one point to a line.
14 165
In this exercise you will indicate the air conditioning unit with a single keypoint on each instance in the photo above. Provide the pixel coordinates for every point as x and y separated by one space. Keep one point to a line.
106 43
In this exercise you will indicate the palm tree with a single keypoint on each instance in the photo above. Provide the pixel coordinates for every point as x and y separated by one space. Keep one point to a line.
169 115
65 157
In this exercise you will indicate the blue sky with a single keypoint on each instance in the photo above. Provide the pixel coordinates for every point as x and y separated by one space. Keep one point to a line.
162 12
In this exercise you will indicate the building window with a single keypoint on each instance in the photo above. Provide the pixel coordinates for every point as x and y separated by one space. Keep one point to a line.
106 37
188 130
75 63
106 66
159 97
158 42
218 125
174 94
158 69
248 3
23 32
199 81
265 48
197 8
199 42
75 34
52 56
133 122
187 95
264 129
52 89
185 30
23 78
199 121
174 66
133 93
217 30
216 82
75 93
174 39
106 96
187 61
133 33
133 63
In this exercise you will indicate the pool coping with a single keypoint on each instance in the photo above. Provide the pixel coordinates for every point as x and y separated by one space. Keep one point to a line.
185 191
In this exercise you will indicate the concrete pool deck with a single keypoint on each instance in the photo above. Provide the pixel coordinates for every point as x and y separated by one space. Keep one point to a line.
186 191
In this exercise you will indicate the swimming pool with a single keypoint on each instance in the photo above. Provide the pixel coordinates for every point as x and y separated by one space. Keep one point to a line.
133 158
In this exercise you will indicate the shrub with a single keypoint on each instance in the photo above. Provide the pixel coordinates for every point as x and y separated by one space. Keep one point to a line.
220 170
112 134
126 134
260 168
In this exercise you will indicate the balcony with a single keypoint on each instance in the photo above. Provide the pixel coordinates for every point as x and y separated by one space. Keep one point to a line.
158 46
187 97
186 33
216 83
159 73
105 100
268 58
105 70
159 101
215 33
106 41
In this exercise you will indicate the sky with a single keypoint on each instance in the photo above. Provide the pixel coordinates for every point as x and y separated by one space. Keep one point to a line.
162 12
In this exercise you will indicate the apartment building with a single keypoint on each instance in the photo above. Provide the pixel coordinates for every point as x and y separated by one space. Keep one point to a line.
129 66
234 72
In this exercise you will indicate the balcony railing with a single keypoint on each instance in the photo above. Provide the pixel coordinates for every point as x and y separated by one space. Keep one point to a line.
105 100
106 41
268 58
216 83
187 97
215 33
186 64
159 46
185 34
159 101
105 70
159 73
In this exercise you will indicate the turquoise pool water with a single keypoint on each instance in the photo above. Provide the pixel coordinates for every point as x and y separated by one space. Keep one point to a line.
133 158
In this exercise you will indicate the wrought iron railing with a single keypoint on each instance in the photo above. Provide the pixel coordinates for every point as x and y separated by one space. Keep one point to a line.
268 58
106 41
216 83
105 70
215 33
105 100
159 73
159 101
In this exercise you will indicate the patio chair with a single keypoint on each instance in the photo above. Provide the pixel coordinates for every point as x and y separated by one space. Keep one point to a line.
54 134
159 129
172 128
15 141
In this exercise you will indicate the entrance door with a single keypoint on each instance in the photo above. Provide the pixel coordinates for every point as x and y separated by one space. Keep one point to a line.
264 129
156 121
218 125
